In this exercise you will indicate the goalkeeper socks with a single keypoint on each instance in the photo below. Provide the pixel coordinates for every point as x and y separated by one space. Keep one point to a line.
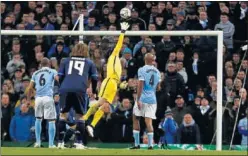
38 130
62 130
91 111
80 131
51 132
136 135
98 115
150 139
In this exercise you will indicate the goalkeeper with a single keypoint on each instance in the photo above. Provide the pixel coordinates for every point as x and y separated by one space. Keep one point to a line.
109 85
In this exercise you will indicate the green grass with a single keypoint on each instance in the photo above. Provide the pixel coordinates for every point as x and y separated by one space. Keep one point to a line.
46 151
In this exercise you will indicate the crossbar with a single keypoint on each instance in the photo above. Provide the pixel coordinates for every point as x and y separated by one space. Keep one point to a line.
109 33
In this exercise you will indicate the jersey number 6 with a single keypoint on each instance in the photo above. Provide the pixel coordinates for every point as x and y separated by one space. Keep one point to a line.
42 80
78 65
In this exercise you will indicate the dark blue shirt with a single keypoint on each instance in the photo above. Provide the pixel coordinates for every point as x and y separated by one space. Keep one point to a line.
76 72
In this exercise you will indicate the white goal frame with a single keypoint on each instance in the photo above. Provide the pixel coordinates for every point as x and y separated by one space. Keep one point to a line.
218 34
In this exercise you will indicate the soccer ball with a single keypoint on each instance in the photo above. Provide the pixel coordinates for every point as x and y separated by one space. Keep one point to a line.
125 13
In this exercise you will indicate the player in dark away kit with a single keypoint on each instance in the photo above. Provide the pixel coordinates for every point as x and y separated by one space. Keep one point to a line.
75 72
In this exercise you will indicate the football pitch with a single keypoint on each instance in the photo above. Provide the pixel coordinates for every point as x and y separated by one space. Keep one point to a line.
46 151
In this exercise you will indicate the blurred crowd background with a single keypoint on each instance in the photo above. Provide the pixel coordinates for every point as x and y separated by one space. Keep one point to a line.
187 101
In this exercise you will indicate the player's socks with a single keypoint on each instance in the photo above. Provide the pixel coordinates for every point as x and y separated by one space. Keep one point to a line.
62 130
69 133
80 131
136 135
38 130
91 111
98 115
51 133
150 139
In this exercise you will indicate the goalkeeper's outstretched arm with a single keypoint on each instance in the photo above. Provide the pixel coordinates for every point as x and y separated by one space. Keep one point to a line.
124 27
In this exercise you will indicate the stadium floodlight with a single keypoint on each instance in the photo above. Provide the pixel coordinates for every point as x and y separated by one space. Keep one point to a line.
218 34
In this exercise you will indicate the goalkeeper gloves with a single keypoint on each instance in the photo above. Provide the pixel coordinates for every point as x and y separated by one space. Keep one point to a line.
124 26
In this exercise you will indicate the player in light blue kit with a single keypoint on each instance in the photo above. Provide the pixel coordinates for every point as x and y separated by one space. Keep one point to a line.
146 105
243 129
43 80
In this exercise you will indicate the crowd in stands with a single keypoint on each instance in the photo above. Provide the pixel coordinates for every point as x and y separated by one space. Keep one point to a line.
186 111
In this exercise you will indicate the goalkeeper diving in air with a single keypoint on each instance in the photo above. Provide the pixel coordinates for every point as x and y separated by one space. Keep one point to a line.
109 85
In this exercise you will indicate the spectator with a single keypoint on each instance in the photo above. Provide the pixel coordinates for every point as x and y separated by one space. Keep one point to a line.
244 64
228 30
135 19
188 131
204 118
191 20
122 120
243 129
15 63
17 79
174 83
131 63
160 22
22 125
26 21
7 111
16 47
25 84
228 89
181 70
91 24
169 126
236 62
240 17
112 20
59 52
163 50
205 23
195 106
195 71
237 86
244 101
180 22
52 50
180 110
172 58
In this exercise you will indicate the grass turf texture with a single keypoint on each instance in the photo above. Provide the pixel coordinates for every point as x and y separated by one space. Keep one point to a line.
47 151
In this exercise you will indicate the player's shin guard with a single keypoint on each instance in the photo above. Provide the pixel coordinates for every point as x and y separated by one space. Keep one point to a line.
150 139
136 135
51 132
91 111
38 130
80 131
98 115
62 130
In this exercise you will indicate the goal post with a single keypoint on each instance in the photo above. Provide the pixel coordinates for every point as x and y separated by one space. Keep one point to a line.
218 34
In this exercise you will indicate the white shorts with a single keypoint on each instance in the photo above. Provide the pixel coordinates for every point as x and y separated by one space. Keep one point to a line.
45 107
147 110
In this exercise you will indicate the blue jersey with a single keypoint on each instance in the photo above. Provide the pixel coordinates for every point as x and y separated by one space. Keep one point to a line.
44 81
151 77
243 129
76 72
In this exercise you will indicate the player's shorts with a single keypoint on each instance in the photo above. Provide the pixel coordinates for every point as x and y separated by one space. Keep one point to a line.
74 100
108 89
45 107
147 110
